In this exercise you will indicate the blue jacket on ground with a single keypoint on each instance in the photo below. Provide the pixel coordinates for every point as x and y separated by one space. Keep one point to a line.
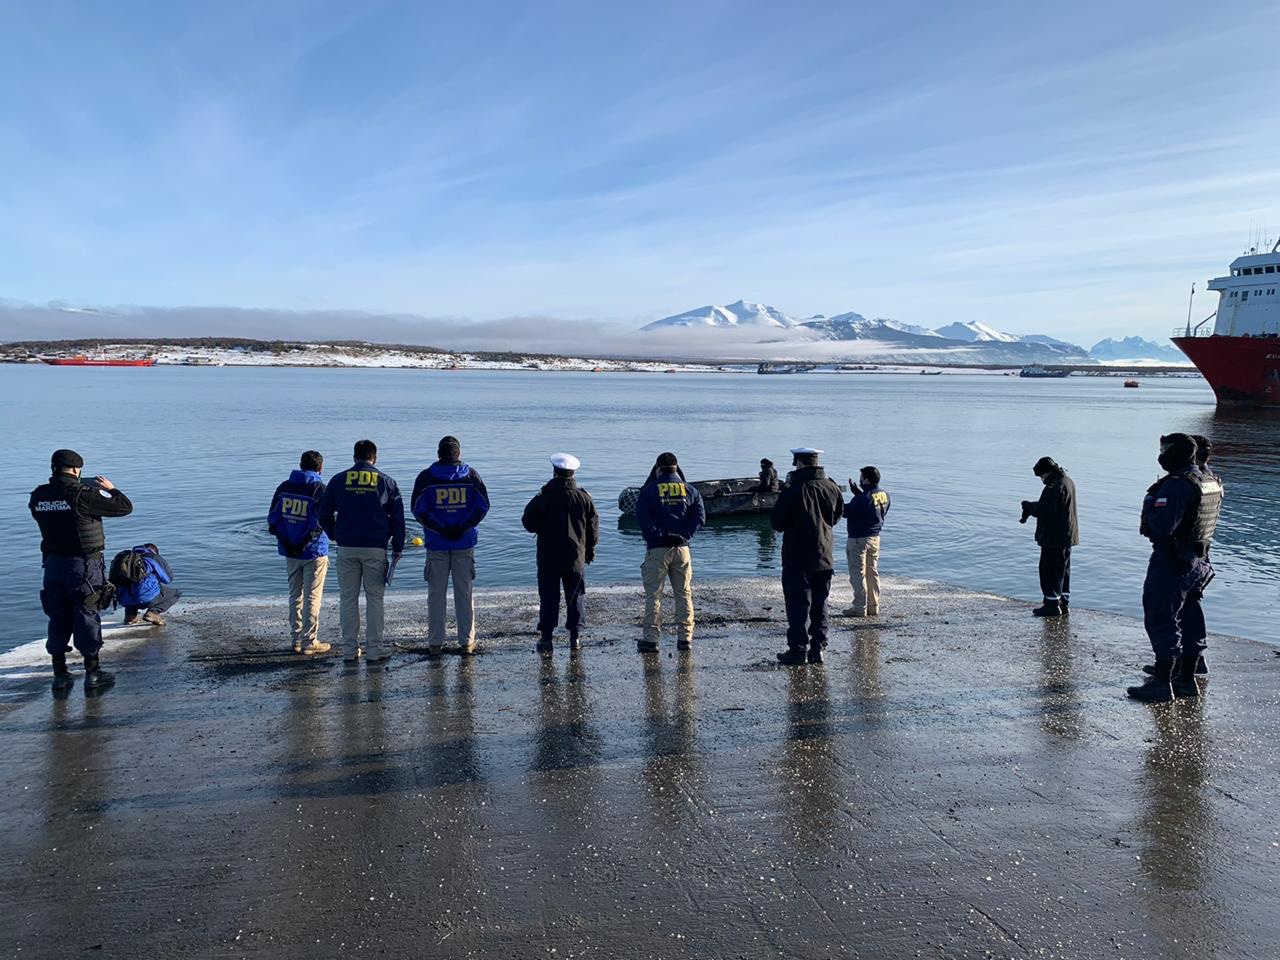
865 512
147 589
294 517
361 507
670 511
449 500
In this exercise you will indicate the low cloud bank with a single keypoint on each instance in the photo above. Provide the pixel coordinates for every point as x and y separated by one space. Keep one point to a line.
532 334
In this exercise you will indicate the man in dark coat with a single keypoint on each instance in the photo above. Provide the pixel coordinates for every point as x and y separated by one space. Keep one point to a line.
1179 516
564 519
1057 531
805 513
69 512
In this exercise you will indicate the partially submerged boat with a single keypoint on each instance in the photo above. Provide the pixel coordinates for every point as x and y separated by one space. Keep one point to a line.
722 498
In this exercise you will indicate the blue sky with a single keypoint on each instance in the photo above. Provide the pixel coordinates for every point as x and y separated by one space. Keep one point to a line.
1067 169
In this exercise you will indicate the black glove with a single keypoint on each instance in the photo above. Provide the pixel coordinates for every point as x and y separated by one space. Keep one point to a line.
591 555
452 532
1026 510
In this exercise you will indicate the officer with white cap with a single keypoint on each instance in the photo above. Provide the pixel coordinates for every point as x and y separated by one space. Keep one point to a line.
806 511
564 519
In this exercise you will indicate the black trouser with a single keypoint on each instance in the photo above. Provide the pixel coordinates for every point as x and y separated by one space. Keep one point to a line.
1055 573
1171 608
70 600
162 601
806 592
550 583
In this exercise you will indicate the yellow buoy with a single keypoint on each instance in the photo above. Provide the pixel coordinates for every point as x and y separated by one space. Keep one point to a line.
415 542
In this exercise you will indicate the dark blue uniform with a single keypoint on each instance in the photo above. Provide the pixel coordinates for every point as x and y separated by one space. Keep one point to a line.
361 507
1178 515
669 511
69 513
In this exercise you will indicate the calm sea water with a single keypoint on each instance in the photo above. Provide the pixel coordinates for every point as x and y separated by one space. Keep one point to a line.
200 451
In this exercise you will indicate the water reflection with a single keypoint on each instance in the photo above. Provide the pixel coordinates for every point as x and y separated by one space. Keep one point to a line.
670 737
869 691
1176 819
452 756
810 763
566 738
1061 713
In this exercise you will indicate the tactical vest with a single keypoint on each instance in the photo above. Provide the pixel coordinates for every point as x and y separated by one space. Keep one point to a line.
64 530
1199 523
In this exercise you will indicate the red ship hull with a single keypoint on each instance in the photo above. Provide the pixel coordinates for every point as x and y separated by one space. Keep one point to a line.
1243 371
88 362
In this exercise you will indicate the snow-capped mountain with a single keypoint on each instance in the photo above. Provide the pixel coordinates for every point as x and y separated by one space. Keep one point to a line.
1136 348
975 332
743 313
854 326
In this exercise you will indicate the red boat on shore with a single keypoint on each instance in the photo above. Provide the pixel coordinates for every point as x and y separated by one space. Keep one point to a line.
1240 356
99 361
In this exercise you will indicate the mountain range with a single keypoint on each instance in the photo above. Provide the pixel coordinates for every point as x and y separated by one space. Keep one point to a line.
973 342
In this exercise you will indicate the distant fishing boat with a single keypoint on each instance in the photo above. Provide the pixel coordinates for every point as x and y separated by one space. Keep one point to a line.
1132 383
930 373
1037 372
722 498
82 361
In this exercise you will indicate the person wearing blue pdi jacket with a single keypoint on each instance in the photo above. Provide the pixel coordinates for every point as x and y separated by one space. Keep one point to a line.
670 511
864 515
362 512
294 520
449 500
155 592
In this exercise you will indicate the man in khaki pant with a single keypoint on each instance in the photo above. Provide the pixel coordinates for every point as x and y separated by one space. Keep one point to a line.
670 511
362 511
865 515
294 519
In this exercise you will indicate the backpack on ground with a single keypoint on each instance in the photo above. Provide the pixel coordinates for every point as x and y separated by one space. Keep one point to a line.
128 568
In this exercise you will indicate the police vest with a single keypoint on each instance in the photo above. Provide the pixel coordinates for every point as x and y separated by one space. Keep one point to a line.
64 530
1199 523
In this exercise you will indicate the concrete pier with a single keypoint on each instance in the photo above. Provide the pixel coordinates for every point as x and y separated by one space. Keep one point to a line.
959 780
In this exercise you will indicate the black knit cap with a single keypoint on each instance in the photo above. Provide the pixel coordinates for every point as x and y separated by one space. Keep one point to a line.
1204 448
449 449
66 458
1046 465
666 460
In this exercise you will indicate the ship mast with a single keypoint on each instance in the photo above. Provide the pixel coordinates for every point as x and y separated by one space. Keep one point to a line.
1192 300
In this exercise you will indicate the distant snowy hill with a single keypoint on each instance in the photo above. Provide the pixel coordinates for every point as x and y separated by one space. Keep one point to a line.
740 314
851 334
975 332
1136 348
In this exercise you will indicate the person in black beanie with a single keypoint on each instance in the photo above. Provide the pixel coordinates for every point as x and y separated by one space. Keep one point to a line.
1057 531
69 512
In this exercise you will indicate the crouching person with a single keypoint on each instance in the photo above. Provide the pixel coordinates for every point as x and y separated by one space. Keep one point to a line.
294 520
144 583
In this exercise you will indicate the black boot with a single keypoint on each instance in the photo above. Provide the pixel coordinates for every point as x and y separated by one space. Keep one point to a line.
574 643
815 654
1065 604
794 657
95 678
1050 608
1184 678
1202 668
1159 687
646 646
62 679
545 646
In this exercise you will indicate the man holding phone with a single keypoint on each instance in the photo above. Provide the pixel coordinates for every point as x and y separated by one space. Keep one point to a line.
69 512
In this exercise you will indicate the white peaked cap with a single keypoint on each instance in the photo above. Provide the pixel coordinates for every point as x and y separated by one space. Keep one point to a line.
805 451
565 461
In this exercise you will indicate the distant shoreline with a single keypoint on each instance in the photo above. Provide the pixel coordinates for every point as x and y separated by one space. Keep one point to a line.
236 352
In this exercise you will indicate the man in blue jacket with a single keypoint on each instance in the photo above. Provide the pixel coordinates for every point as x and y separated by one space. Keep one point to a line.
865 517
361 511
155 592
669 511
294 520
449 500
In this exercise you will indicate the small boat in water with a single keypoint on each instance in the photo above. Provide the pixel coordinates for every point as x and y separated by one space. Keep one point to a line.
722 498
1132 383
1037 372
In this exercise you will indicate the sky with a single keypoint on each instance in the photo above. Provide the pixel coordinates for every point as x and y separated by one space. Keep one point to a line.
1063 169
